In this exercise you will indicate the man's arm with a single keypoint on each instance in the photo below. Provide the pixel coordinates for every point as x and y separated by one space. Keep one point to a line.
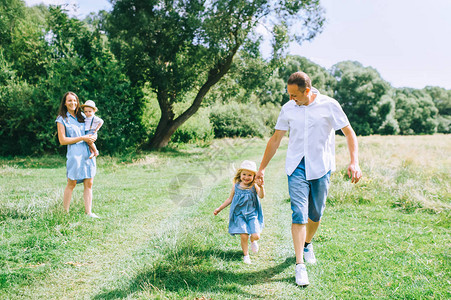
271 148
353 169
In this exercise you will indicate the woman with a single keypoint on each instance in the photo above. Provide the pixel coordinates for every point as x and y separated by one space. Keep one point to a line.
71 132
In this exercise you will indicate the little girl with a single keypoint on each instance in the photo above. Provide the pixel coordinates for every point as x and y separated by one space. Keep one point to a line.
246 216
92 124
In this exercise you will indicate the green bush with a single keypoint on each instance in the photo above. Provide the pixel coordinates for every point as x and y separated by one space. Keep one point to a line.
151 111
28 110
243 120
270 113
415 112
20 124
389 126
444 124
196 129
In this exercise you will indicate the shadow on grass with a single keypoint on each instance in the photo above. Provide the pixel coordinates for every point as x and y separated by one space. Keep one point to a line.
189 270
13 213
41 162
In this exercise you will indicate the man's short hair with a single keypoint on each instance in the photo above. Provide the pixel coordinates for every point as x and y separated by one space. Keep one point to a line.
300 79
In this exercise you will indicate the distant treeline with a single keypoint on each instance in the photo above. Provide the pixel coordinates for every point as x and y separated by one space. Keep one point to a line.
44 53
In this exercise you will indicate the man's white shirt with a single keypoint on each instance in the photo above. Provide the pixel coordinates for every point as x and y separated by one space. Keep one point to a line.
312 134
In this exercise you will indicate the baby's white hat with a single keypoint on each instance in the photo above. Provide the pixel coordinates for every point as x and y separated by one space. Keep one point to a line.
91 104
249 165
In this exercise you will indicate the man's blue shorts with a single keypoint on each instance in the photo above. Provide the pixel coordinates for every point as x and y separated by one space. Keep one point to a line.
308 197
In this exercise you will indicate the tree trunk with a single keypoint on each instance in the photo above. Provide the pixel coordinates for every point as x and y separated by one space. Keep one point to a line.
162 135
167 125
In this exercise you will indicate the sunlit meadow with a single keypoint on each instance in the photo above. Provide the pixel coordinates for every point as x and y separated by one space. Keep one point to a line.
388 237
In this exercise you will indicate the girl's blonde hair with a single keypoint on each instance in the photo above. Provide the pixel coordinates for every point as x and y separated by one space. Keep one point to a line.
237 177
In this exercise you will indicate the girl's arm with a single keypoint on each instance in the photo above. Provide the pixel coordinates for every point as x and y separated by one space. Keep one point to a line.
260 190
226 203
64 140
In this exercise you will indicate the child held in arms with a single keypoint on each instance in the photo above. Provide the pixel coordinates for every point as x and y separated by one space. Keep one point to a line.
92 124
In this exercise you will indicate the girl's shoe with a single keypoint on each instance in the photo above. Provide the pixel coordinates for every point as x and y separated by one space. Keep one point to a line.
93 215
254 246
247 259
92 155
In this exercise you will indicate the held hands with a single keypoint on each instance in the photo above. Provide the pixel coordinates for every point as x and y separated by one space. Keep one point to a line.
259 182
354 172
259 178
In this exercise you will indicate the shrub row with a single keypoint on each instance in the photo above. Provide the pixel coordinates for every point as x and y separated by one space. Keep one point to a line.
219 120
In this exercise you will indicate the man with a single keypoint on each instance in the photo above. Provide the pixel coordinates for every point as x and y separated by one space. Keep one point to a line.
312 120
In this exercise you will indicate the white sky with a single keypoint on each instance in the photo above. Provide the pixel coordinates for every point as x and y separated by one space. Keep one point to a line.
407 41
78 8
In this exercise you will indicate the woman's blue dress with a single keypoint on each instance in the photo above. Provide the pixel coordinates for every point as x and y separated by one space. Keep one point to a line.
79 165
246 215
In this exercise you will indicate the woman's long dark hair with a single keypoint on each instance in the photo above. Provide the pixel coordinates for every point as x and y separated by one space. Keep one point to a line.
63 109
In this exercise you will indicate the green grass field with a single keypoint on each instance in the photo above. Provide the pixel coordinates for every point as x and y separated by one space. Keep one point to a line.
388 237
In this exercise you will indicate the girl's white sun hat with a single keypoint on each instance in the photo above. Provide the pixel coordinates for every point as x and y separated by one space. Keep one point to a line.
249 165
91 104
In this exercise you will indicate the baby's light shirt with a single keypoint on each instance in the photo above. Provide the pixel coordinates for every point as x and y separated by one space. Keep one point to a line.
91 123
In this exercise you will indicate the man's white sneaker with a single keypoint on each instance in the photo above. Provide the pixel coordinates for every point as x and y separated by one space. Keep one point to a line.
247 259
93 215
254 246
309 255
301 275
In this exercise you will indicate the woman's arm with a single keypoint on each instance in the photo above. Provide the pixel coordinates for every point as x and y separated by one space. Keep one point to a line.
64 140
226 203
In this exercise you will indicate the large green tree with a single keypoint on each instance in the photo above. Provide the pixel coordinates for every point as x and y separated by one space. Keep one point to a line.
360 91
21 38
415 112
78 59
321 77
442 101
275 86
248 80
186 46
